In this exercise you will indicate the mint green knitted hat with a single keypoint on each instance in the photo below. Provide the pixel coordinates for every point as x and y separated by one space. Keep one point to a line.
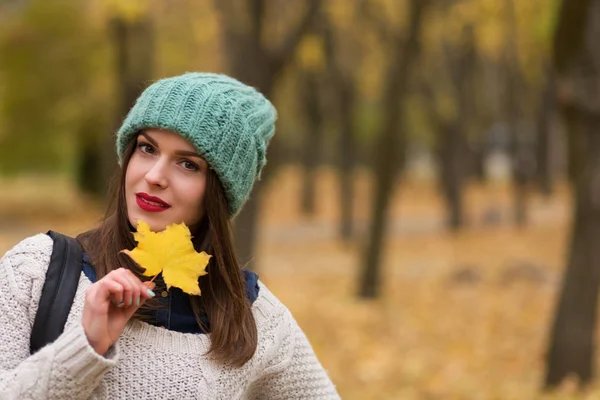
228 122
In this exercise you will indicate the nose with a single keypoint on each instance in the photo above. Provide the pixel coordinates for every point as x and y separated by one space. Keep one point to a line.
157 175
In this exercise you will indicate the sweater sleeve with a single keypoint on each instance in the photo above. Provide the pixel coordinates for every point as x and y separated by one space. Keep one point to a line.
294 372
69 368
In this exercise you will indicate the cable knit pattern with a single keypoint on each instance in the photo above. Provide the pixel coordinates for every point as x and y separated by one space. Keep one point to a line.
228 122
147 362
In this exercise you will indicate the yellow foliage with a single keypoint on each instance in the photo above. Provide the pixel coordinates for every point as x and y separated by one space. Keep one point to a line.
490 19
172 253
311 53
130 10
340 14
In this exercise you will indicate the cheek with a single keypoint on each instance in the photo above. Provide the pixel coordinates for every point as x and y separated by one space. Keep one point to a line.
194 195
197 194
133 174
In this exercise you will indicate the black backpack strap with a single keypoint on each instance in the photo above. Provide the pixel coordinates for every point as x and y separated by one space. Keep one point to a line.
62 279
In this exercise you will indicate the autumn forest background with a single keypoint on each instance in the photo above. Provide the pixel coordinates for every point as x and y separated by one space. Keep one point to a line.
430 211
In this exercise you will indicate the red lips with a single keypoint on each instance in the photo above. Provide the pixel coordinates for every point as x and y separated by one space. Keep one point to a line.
151 203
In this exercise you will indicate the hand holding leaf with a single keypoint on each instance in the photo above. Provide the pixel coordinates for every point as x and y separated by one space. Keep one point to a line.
172 253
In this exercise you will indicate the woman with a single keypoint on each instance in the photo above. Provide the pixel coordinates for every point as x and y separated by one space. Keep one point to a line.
190 151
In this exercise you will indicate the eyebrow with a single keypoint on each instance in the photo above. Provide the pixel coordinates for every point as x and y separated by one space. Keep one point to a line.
178 152
188 153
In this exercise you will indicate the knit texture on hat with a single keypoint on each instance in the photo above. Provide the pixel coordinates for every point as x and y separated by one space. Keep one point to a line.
228 122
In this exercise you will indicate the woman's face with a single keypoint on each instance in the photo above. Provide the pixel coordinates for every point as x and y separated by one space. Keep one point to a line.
165 181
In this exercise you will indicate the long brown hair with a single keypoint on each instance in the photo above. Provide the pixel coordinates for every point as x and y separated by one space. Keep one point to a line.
232 325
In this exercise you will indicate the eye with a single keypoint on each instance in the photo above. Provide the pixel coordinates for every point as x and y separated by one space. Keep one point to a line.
190 166
146 148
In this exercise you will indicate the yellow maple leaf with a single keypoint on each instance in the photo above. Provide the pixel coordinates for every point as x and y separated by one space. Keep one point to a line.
172 253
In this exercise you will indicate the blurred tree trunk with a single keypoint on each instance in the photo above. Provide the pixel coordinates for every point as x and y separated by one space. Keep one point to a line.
311 104
451 153
477 160
344 98
255 63
545 145
454 148
347 148
91 163
481 121
574 162
390 146
517 149
571 348
448 143
134 60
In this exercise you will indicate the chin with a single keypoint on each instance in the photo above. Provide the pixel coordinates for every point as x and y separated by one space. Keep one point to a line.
155 226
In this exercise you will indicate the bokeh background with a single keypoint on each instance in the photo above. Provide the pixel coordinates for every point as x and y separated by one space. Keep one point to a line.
430 212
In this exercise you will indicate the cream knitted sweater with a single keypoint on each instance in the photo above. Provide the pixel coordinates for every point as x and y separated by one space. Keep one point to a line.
147 362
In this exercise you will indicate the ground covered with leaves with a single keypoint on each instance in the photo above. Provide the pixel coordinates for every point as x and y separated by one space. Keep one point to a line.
460 316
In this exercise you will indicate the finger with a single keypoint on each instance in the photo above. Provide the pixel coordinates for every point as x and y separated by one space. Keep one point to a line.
138 284
119 303
110 290
129 289
102 293
116 276
144 295
143 286
148 292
